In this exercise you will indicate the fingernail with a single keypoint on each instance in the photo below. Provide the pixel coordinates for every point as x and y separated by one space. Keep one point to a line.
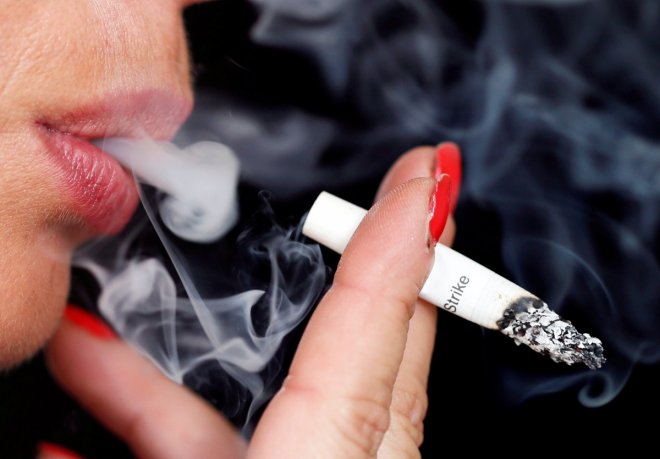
439 208
92 324
448 161
51 450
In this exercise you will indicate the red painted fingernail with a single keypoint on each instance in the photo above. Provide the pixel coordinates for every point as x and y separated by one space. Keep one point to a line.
448 161
51 450
89 322
439 208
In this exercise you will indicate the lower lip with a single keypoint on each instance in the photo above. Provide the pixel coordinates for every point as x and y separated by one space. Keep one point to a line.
102 192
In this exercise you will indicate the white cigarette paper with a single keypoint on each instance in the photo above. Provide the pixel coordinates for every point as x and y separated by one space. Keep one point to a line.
456 283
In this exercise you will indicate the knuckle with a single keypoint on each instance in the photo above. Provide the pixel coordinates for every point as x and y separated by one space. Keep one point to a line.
408 410
362 423
359 421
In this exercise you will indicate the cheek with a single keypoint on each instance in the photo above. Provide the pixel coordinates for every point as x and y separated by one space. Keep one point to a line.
33 288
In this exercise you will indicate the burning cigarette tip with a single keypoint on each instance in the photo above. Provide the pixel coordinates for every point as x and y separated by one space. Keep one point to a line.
529 321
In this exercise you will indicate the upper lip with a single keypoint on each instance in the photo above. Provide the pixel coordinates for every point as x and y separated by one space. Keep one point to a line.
153 114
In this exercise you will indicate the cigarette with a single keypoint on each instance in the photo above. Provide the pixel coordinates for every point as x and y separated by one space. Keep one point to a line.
463 287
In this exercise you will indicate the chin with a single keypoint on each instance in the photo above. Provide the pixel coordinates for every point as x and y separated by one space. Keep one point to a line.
34 300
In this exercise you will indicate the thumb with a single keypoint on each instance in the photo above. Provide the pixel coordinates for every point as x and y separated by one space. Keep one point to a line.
335 402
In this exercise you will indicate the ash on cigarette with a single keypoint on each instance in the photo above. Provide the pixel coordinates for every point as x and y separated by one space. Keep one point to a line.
529 321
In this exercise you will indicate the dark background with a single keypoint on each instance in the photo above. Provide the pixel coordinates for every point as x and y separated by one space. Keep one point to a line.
470 386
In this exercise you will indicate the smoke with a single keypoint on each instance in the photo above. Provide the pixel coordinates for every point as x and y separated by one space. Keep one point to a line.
554 103
199 183
210 316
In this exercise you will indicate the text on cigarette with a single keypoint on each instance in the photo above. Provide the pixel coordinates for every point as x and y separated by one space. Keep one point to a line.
456 292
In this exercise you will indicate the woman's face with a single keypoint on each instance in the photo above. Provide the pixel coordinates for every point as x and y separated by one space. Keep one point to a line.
72 71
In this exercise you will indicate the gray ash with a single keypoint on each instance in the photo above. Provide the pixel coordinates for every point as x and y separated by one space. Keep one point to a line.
529 321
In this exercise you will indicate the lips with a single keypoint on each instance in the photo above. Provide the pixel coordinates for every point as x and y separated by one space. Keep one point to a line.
101 191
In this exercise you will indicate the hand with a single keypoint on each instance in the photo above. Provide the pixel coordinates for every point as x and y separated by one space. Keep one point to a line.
357 385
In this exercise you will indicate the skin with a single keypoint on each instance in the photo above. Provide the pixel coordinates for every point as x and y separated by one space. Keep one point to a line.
357 386
56 56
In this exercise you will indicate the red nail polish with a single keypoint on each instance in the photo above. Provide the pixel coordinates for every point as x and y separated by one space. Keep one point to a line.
53 450
439 207
89 322
448 161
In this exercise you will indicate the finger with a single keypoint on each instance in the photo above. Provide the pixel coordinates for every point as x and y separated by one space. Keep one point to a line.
335 402
424 162
409 398
155 416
